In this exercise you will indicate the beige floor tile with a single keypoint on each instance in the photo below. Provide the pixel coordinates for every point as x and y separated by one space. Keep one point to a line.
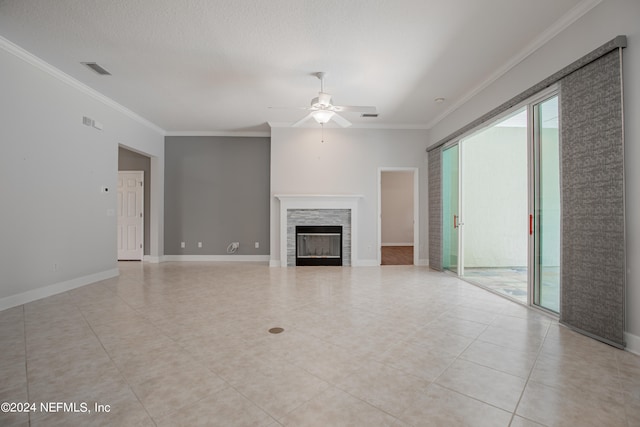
533 323
488 385
562 341
226 408
523 422
439 406
13 373
336 408
384 387
140 366
358 342
117 409
628 363
11 317
327 362
72 387
416 360
176 389
550 406
472 314
456 326
438 341
578 376
514 339
280 387
511 361
631 392
69 365
14 395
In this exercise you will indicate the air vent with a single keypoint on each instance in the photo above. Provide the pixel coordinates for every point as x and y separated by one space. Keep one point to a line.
369 115
95 67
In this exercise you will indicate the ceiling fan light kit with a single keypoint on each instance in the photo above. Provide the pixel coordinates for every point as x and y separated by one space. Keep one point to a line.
322 116
322 109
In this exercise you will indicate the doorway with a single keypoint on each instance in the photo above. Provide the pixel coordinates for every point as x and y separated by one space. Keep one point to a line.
397 215
501 204
130 215
131 160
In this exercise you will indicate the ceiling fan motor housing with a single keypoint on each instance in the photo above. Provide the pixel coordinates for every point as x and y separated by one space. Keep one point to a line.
323 100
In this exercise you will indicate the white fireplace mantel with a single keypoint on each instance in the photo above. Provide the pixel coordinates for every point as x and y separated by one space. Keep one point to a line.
318 201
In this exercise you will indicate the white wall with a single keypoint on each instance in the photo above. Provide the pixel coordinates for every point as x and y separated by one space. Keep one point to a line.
396 191
347 162
56 230
600 25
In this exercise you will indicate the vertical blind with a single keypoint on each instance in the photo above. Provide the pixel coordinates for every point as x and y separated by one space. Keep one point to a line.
592 190
435 209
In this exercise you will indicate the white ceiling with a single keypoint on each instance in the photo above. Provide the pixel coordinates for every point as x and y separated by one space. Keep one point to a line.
216 66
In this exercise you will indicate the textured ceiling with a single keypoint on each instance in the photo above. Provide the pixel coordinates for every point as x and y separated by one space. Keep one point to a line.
216 66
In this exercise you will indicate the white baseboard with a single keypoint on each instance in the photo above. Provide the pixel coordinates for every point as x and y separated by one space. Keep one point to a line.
355 263
152 259
633 343
56 288
397 244
365 263
224 258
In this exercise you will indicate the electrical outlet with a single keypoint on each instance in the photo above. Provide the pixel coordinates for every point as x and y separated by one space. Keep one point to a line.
199 244
257 245
182 245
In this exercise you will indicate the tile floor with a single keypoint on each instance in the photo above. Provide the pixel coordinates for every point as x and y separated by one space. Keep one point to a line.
187 344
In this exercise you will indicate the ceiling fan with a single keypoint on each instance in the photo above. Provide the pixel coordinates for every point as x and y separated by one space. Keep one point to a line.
322 110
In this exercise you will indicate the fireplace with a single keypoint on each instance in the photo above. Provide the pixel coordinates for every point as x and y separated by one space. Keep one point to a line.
313 209
318 245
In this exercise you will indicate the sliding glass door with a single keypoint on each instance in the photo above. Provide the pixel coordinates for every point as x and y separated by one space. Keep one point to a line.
546 216
501 205
495 206
450 211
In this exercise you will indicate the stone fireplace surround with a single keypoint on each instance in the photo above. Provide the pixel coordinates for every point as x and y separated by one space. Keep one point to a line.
318 209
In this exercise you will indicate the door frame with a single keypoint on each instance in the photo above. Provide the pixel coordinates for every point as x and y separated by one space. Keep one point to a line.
416 211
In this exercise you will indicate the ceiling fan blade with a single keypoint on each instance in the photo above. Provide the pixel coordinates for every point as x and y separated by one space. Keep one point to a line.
302 120
355 109
289 108
341 121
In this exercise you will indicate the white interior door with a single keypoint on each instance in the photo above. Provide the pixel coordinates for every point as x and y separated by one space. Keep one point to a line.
130 215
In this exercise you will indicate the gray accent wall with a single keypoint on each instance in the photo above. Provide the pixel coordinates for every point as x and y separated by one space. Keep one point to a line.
216 192
131 161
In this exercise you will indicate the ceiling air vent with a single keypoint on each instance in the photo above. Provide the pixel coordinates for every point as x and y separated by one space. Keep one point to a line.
369 115
95 67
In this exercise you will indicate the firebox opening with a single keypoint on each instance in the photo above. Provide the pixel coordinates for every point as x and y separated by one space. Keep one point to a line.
319 245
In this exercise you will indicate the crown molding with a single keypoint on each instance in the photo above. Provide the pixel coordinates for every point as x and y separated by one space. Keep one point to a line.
556 28
252 134
392 126
28 57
